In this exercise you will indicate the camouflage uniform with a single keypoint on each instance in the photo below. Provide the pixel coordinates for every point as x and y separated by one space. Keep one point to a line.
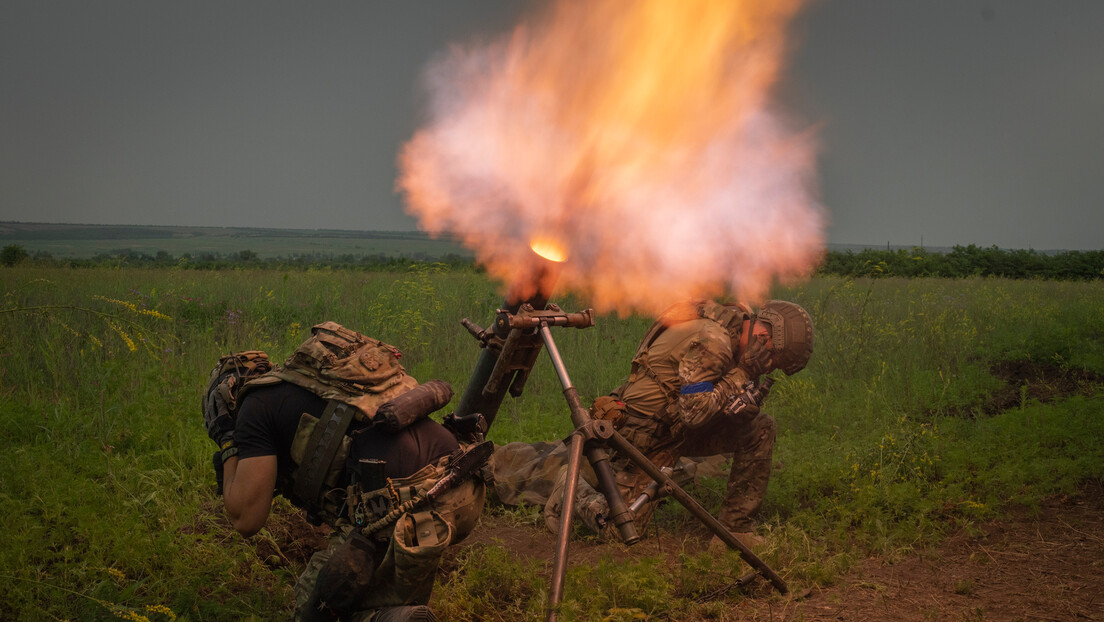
679 383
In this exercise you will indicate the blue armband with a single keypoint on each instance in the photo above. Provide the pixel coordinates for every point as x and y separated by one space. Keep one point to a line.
696 387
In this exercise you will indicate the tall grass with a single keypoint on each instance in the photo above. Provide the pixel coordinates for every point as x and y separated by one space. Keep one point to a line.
885 442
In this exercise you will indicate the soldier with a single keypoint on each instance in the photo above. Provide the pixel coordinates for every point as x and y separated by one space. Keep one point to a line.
346 458
693 361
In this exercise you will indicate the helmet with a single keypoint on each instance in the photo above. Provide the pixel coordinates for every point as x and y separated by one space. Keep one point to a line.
791 334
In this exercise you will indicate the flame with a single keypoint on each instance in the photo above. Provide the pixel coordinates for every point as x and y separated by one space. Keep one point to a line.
549 248
638 135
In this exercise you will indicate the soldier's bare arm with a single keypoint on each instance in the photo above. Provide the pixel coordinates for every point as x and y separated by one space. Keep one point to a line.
247 493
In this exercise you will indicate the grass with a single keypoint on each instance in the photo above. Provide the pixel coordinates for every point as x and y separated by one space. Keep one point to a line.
107 501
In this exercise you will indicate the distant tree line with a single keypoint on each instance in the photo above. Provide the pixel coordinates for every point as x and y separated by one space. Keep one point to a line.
964 261
245 259
961 261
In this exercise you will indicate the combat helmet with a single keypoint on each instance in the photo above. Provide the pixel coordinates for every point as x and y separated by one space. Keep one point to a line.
791 334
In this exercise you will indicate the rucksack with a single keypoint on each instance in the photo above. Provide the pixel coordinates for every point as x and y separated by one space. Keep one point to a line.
336 363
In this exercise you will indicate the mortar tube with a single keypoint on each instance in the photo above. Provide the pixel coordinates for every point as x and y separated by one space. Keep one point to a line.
544 274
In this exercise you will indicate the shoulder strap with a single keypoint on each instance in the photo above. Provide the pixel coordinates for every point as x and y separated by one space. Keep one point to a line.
322 446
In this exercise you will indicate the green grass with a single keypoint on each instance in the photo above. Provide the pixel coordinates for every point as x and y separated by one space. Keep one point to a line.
106 494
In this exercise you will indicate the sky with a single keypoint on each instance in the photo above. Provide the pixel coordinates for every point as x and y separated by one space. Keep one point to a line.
939 122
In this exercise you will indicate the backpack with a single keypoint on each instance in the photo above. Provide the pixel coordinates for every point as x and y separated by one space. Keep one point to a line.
225 382
336 363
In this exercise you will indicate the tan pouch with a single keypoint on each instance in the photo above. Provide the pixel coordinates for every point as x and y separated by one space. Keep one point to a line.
609 409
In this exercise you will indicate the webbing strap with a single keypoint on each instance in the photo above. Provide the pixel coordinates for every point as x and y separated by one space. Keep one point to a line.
425 529
322 446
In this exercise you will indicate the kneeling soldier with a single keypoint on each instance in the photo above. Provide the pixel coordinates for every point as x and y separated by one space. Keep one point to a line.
343 432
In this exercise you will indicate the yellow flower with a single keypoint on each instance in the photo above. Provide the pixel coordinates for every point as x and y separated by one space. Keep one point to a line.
161 609
115 572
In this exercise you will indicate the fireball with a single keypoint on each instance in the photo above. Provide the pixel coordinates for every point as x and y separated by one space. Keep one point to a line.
641 136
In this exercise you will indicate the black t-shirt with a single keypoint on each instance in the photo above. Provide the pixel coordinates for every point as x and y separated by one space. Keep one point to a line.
268 417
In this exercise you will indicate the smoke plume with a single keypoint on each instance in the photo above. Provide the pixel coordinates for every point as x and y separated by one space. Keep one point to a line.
639 137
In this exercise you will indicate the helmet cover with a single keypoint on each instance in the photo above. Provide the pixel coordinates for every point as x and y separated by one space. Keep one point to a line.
791 334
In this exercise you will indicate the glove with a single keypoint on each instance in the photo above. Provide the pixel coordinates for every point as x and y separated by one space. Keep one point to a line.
749 401
744 405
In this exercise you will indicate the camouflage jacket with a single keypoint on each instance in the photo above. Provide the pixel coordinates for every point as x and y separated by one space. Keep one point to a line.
679 383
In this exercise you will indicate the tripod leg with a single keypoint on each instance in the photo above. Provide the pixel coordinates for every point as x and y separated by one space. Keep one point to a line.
619 510
559 570
625 448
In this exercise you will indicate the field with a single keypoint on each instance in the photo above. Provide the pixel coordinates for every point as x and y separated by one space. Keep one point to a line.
932 409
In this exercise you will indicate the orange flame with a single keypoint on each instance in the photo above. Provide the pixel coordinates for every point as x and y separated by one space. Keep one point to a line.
640 136
549 248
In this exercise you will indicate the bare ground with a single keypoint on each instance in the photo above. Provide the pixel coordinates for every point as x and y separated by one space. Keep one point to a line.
1041 566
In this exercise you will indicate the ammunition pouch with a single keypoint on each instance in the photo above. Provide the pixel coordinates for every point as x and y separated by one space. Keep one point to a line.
608 408
454 487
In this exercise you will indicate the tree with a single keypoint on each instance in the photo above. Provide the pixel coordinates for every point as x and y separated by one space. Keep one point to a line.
12 254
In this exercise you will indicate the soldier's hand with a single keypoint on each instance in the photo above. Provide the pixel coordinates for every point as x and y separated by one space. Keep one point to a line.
744 405
751 399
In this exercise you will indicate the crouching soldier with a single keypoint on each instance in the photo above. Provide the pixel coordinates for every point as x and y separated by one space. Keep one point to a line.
694 391
342 431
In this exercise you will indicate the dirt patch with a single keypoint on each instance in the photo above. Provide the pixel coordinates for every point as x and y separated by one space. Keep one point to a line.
292 539
1028 380
1033 565
1044 566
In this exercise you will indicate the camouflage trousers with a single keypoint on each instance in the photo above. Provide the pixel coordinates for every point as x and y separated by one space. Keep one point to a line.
536 473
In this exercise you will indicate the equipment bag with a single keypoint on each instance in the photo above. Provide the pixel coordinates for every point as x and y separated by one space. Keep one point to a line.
341 364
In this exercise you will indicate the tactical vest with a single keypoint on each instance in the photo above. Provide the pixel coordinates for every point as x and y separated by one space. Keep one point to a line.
364 384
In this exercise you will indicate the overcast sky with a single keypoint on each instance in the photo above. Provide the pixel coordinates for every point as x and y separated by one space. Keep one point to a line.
941 121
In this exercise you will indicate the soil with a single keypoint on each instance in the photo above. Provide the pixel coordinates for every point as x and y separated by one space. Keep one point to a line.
1040 565
1031 380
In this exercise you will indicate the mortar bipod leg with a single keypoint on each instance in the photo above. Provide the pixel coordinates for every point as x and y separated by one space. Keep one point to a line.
559 567
628 450
595 433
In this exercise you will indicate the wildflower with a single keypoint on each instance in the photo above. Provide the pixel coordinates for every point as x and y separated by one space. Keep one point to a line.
116 573
161 609
129 614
